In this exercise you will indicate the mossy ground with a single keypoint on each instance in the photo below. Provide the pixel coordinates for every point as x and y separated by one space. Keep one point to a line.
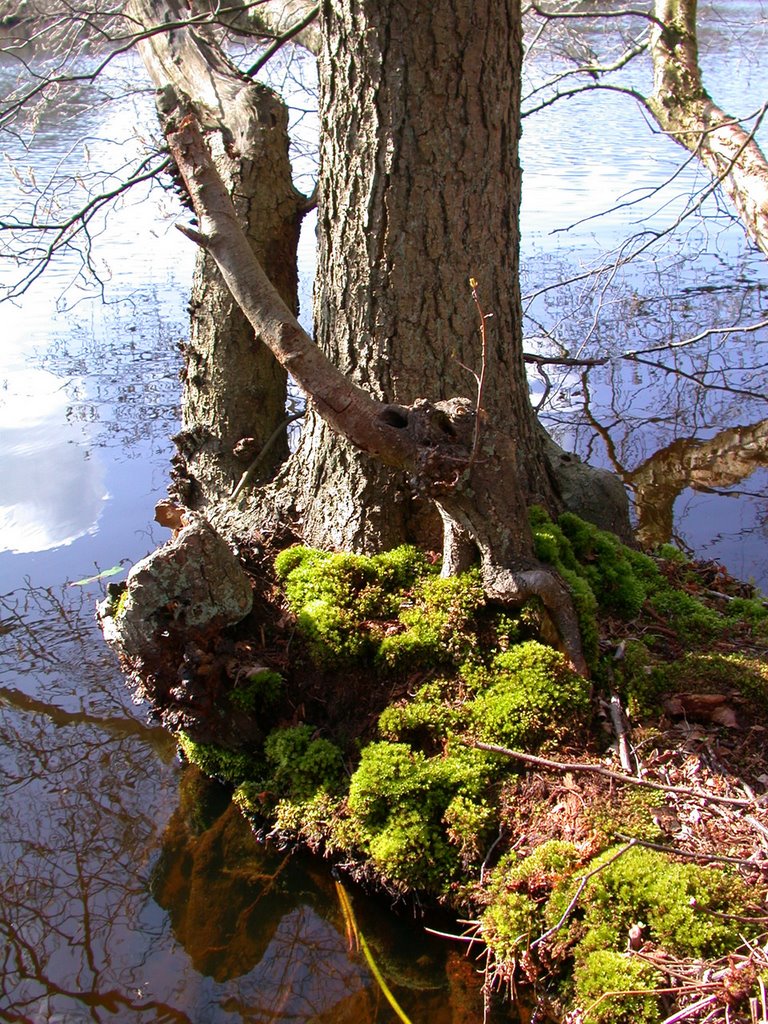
376 679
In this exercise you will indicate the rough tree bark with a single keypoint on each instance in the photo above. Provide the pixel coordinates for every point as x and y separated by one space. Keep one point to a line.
682 107
234 390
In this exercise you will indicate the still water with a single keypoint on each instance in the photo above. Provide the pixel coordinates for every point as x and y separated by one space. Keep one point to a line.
129 891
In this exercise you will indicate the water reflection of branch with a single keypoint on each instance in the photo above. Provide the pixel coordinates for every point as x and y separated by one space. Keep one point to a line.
708 333
117 726
631 248
697 378
646 195
80 816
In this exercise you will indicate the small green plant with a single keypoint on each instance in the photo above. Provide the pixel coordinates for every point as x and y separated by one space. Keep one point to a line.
438 623
403 806
687 909
336 597
607 566
516 892
618 988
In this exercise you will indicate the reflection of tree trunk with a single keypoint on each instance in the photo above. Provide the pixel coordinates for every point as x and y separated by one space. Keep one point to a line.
234 390
684 110
724 460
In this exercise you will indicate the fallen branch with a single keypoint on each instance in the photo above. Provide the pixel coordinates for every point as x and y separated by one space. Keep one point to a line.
608 773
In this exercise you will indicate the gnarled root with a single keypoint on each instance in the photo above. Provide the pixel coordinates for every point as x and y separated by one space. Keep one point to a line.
504 585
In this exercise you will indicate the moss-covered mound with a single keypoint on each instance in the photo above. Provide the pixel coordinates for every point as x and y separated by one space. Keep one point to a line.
405 797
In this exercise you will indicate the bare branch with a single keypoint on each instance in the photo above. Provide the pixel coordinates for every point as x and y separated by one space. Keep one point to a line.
289 34
625 13
608 773
708 333
66 231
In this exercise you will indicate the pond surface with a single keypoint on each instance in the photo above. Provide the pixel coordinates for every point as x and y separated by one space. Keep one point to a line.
129 891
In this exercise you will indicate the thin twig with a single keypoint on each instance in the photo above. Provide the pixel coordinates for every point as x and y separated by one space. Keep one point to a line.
272 49
692 1010
618 719
483 367
579 890
276 433
707 858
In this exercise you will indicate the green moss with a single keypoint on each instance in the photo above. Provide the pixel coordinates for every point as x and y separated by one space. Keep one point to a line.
399 568
314 820
685 910
606 565
670 553
629 813
532 697
259 689
618 988
439 623
750 610
299 765
509 924
336 596
707 673
333 634
644 683
516 890
692 620
406 804
404 809
217 762
552 546
469 824
436 711
684 907
635 680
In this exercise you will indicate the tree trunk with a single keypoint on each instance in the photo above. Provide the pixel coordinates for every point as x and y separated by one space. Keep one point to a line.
234 390
482 464
684 110
419 190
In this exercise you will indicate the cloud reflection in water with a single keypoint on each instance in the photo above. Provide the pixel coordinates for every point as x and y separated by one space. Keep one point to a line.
53 484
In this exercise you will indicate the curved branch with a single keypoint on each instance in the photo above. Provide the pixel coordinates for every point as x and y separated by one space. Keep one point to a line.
348 408
516 587
608 773
626 12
